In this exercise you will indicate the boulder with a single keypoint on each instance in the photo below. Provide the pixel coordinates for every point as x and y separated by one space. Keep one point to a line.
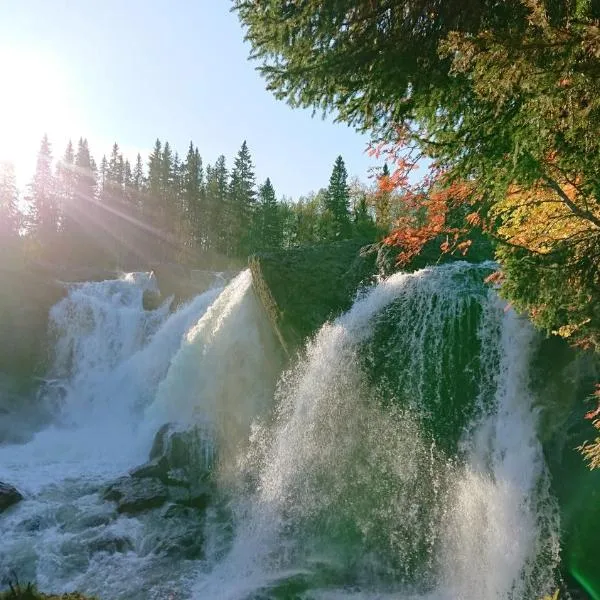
134 495
9 495
157 468
301 288
178 471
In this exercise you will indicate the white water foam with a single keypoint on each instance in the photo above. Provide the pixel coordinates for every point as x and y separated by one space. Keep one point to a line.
350 493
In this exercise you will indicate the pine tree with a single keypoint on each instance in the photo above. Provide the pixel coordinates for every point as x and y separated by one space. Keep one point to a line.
65 183
155 161
217 203
103 174
138 174
337 201
194 198
43 209
242 204
9 212
269 226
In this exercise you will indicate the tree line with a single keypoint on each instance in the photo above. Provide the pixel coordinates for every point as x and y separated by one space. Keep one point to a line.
501 99
114 213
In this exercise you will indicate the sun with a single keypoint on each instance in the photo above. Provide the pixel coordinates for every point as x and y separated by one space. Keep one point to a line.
35 99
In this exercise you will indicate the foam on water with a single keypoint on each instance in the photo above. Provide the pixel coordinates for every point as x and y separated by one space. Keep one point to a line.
328 486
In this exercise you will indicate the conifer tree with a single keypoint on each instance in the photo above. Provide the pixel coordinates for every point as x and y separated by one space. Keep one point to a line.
138 174
155 161
269 230
9 212
103 174
43 209
242 204
65 185
337 201
194 198
217 203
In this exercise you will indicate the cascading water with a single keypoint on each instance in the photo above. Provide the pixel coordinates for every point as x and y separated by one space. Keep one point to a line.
356 496
397 457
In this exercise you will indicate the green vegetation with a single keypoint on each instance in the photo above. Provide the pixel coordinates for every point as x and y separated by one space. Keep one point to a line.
30 592
116 215
303 287
498 102
502 96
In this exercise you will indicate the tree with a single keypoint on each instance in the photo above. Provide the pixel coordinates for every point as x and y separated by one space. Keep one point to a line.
369 62
499 97
194 199
43 215
65 182
138 174
269 233
155 161
363 224
242 200
218 207
10 221
337 201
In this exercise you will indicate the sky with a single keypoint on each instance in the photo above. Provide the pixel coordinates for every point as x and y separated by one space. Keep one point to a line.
131 71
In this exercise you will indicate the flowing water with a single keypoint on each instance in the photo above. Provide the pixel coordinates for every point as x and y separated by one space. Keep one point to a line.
377 465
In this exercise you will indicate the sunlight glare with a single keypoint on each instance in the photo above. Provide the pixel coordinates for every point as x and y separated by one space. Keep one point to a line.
34 100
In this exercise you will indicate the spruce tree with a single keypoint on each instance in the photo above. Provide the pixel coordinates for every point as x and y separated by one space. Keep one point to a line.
217 204
194 198
65 185
103 174
155 170
138 174
242 204
9 212
269 229
337 201
43 209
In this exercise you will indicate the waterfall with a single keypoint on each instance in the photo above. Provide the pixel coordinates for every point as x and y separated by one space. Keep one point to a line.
395 457
354 494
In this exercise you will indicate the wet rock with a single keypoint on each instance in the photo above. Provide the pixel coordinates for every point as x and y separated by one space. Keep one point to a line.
111 544
9 495
134 495
182 533
152 299
114 491
301 288
159 445
158 468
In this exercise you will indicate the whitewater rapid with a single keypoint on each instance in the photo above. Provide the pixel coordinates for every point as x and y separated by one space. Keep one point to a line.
331 482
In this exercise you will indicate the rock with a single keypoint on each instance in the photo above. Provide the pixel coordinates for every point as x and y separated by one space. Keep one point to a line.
134 495
159 444
200 496
9 495
182 533
301 288
115 490
111 544
151 299
179 455
158 468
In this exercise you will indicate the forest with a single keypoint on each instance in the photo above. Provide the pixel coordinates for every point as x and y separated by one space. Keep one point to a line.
115 214
501 105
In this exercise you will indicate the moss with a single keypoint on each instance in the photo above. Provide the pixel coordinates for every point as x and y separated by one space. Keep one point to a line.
303 287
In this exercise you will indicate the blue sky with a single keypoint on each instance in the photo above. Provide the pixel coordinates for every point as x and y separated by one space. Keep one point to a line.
133 70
